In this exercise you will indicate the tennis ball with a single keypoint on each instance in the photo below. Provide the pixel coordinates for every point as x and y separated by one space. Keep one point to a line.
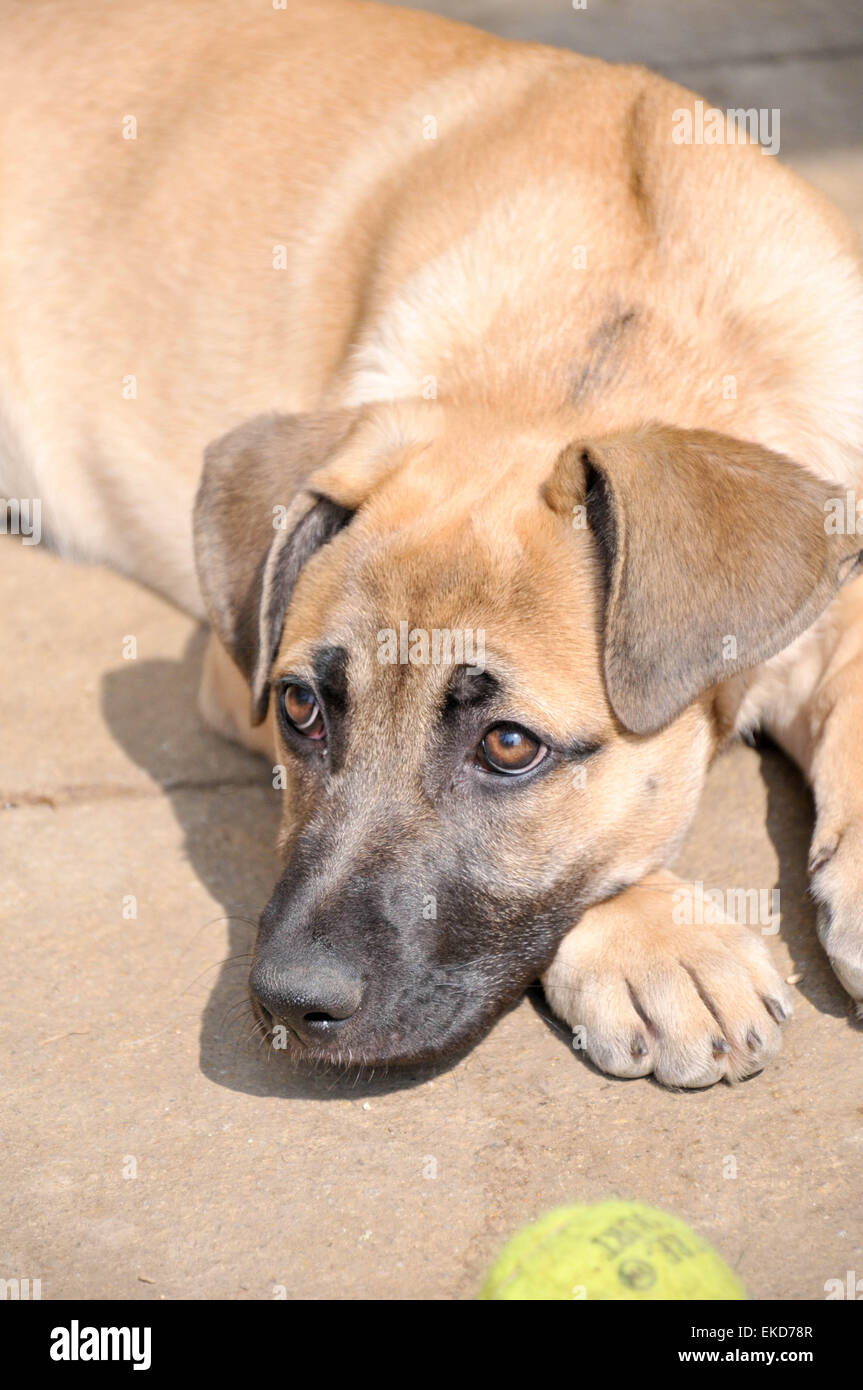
613 1250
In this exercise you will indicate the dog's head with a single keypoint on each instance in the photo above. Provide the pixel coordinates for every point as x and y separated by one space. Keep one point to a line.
491 654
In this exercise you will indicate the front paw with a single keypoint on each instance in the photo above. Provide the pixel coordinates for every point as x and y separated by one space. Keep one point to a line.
836 865
644 994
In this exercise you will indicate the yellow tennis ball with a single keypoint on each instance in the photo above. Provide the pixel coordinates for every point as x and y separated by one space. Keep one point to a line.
613 1250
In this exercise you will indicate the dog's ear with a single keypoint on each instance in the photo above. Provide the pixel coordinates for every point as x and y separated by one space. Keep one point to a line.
715 554
256 524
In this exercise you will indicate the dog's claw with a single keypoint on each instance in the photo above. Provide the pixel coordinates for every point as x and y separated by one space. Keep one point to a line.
822 854
775 1009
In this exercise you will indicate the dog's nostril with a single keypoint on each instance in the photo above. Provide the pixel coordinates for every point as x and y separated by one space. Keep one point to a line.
313 1000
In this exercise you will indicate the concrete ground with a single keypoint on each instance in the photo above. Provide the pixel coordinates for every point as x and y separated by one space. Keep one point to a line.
150 1150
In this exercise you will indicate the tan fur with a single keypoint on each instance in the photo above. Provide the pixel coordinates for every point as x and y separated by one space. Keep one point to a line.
690 1004
447 268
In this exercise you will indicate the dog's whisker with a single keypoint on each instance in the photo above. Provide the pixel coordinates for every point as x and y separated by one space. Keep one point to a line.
216 965
226 917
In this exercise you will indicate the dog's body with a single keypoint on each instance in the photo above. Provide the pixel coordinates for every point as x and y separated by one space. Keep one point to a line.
476 272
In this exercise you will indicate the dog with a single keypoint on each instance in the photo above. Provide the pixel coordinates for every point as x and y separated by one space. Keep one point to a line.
530 423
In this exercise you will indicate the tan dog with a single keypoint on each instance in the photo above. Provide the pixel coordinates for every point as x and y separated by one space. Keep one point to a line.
540 525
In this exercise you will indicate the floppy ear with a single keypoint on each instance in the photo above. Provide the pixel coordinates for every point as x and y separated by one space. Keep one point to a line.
256 525
715 552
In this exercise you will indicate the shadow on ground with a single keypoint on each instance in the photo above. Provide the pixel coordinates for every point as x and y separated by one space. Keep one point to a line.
789 822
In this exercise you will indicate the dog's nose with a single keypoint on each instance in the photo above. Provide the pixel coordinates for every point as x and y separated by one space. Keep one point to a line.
313 1000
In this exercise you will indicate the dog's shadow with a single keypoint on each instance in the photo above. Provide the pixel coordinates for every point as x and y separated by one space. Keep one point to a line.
789 823
224 802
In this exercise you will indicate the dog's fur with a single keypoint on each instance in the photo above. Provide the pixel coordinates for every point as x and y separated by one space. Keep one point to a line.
542 373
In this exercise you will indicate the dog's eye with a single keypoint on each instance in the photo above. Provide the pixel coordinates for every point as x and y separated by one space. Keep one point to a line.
509 749
302 711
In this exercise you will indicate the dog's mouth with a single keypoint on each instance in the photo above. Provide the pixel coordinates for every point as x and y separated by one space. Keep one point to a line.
357 1046
341 1050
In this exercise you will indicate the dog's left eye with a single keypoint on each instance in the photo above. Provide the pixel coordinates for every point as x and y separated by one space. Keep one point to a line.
510 750
302 711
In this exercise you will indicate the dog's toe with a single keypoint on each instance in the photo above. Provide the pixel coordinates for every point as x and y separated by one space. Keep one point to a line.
610 1031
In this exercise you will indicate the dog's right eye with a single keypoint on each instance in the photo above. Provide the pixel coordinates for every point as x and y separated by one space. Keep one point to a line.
302 711
509 750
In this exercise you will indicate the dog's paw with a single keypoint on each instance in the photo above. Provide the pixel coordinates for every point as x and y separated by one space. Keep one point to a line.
642 993
836 865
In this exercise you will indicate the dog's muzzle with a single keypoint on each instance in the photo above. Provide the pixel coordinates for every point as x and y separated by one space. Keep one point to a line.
353 973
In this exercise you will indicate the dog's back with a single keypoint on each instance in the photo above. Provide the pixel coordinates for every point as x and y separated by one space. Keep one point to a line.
213 212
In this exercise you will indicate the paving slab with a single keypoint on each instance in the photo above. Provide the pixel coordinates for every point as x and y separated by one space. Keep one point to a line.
73 732
663 33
